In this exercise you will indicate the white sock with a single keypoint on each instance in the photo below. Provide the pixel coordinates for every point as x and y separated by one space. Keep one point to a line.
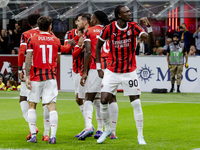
88 111
98 114
24 108
32 121
81 108
105 116
113 110
46 121
53 117
138 115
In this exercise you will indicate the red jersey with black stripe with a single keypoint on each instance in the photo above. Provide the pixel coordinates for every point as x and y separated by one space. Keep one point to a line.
23 44
76 64
92 35
45 48
122 46
104 55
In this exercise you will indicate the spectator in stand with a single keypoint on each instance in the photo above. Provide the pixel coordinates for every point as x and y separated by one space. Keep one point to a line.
168 41
197 36
185 36
4 42
14 52
142 48
2 85
11 85
157 46
160 51
192 51
16 36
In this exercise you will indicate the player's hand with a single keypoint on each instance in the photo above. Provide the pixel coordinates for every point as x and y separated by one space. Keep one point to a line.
186 65
101 73
170 66
145 21
80 42
28 83
83 79
71 42
21 77
80 33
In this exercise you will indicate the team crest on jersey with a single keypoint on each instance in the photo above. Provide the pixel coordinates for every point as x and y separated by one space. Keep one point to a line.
128 33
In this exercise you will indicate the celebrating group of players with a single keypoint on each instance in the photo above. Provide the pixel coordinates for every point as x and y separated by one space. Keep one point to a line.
103 57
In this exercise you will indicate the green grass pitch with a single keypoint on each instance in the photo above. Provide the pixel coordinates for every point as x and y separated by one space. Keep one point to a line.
171 122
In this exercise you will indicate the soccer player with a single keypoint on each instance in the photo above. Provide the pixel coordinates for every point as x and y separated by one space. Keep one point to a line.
90 79
122 35
76 63
32 21
41 62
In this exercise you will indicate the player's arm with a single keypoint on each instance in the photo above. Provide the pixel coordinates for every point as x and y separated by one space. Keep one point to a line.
98 57
67 47
149 39
28 63
21 56
28 68
87 56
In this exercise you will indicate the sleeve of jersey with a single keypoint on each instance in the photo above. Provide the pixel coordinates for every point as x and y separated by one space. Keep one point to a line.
29 46
87 36
66 48
67 36
105 33
22 50
139 30
76 52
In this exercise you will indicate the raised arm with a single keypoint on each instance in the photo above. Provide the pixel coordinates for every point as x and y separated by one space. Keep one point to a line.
149 39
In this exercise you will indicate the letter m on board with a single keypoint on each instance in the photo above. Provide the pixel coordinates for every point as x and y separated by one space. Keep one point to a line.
161 76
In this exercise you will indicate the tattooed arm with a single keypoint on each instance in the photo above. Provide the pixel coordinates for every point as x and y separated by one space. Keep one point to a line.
28 68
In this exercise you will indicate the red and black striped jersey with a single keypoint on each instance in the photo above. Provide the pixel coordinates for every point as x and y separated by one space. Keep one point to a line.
45 48
122 46
104 55
76 60
70 34
23 44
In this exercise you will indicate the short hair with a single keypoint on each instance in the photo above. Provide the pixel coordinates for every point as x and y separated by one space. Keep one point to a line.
184 24
176 35
86 16
76 18
44 22
117 11
102 17
32 19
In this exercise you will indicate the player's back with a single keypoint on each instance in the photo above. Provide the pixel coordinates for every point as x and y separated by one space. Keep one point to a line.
30 33
93 34
45 49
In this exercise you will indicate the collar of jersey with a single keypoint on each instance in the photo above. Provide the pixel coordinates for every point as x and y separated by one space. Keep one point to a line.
100 25
44 32
121 28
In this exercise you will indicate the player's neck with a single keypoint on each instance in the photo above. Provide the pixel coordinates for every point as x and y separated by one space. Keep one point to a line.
86 27
121 23
35 26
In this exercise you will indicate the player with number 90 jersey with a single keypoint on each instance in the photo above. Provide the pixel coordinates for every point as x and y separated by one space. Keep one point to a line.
45 48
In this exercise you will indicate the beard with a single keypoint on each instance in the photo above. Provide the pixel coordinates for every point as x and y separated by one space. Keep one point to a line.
175 42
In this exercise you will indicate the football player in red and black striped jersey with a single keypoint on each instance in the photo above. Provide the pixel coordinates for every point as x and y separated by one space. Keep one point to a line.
122 35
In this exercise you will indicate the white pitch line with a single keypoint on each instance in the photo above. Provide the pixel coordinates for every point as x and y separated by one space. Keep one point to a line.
120 101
